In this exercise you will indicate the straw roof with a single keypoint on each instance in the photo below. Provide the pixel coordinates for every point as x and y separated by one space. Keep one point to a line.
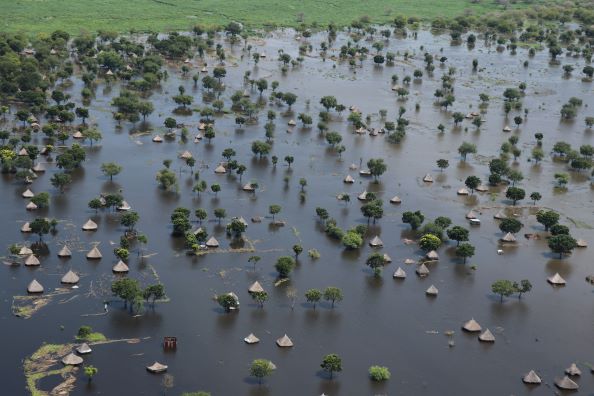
432 291
220 169
349 179
361 131
422 270
26 227
365 172
248 187
256 219
292 123
531 378
204 69
157 368
255 287
509 237
25 251
212 242
482 188
487 336
506 128
185 155
428 178
462 191
395 199
353 167
94 253
201 126
90 225
242 220
70 278
500 215
409 261
581 243
120 267
23 152
284 342
31 206
27 194
31 261
157 139
566 383
35 287
125 206
376 242
64 252
387 258
573 370
72 360
109 73
77 135
251 339
362 196
399 273
556 279
471 215
472 326
432 255
84 349
39 168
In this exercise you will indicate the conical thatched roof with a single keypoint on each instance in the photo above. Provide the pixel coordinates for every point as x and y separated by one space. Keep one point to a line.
573 370
509 237
64 252
581 243
482 188
472 326
422 270
462 191
506 128
487 336
556 279
26 227
395 199
157 139
94 253
432 255
399 273
365 172
204 69
220 169
376 242
349 179
242 221
157 367
32 261
23 152
255 287
39 168
198 230
201 126
432 291
31 206
90 225
84 349
500 215
362 196
353 167
284 342
185 155
387 258
428 178
124 207
35 287
77 135
251 339
212 243
27 194
120 267
292 123
566 383
471 215
25 251
409 261
70 278
72 360
531 378
248 187
109 73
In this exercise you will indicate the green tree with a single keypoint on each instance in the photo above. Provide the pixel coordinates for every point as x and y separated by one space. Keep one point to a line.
375 261
274 210
503 287
373 210
465 149
515 194
41 199
333 294
129 220
458 234
166 179
535 196
472 182
547 218
510 225
465 250
415 219
352 240
376 167
442 164
236 227
562 244
429 242
220 213
60 181
284 265
90 372
259 297
153 292
216 188
297 249
331 363
110 169
227 301
524 287
127 289
40 227
379 373
261 368
313 296
260 148
254 260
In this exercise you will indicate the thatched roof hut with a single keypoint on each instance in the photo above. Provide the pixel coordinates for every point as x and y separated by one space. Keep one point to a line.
531 378
506 128
349 179
387 258
482 188
472 326
409 261
376 242
362 196
32 261
422 270
566 383
432 255
399 274
84 349
124 207
35 287
31 206
581 243
157 368
432 291
185 155
500 215
26 227
251 339
38 168
486 336
25 251
70 278
220 169
109 73
120 268
291 123
212 243
556 279
509 237
428 178
27 194
72 360
204 69
23 152
284 342
77 135
471 215
64 252
353 166
364 172
573 370
361 131
248 187
90 225
255 287
157 139
94 254
462 191
395 200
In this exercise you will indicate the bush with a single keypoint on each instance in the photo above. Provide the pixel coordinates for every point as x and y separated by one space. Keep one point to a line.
84 331
379 373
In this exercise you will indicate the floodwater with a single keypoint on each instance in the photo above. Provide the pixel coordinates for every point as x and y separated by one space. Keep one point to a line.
380 321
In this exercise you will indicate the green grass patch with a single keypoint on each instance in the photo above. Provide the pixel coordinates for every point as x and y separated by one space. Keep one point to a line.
93 337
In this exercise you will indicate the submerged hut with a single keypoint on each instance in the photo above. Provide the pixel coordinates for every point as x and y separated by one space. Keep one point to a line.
77 135
409 261
72 360
472 326
531 378
432 255
120 268
90 225
157 139
362 196
185 155
500 215
27 194
482 188
32 261
23 153
25 251
387 258
506 128
376 242
509 238
255 287
31 206
462 191
251 339
157 368
39 168
35 287
64 252
248 187
471 215
26 227
284 342
70 278
395 200
84 349
428 178
94 254
212 243
556 280
291 123
573 370
566 383
399 274
220 169
349 179
486 336
432 291
124 207
581 243
422 270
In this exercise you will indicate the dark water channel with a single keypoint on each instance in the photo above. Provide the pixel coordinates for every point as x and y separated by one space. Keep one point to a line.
380 321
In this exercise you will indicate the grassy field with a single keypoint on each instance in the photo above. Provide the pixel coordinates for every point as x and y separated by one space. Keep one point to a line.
74 16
